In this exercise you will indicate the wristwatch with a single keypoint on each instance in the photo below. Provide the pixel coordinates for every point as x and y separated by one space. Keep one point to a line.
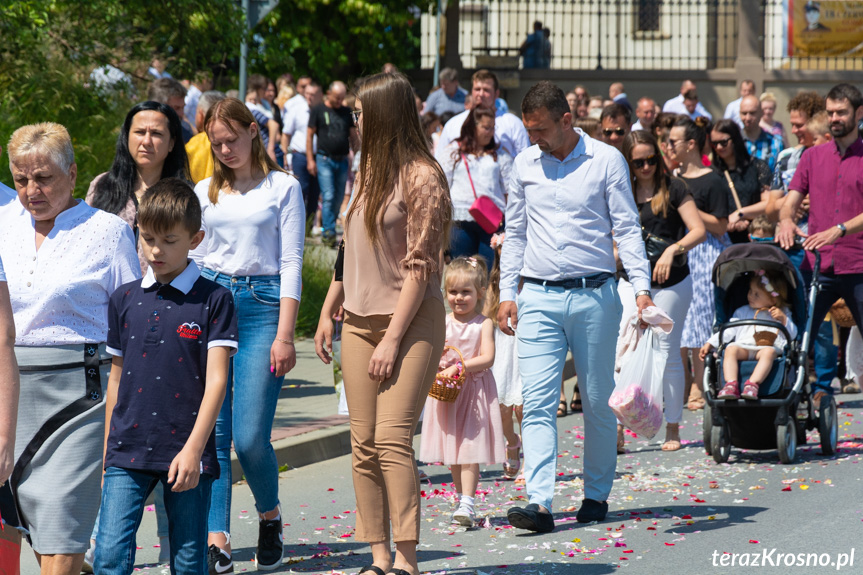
680 248
642 292
842 229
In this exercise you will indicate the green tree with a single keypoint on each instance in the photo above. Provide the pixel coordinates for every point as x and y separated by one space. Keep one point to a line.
50 47
336 39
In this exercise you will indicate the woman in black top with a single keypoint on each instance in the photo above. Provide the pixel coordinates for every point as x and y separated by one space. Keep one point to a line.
709 191
751 178
667 211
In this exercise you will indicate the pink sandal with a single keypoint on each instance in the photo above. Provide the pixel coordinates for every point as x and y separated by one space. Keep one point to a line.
729 391
750 390
512 464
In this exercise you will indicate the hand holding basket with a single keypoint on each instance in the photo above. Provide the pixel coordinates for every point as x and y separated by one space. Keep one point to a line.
447 388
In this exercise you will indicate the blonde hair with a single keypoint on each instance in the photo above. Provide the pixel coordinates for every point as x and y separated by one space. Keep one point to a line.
762 224
232 113
767 97
472 269
45 139
286 92
819 124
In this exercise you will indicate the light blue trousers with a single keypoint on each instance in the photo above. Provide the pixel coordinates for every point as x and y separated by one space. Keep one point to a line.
550 321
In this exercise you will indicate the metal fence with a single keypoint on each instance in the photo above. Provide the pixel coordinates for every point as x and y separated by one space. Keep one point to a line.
812 35
598 34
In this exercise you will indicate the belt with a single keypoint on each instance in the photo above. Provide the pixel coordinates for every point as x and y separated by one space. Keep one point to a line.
588 282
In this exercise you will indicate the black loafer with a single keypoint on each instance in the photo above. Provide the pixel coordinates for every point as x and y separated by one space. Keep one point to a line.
592 510
531 518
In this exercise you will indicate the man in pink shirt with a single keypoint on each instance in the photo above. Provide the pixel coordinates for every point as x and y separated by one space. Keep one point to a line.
832 175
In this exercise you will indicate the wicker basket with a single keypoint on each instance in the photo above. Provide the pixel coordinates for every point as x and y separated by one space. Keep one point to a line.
447 388
764 338
841 314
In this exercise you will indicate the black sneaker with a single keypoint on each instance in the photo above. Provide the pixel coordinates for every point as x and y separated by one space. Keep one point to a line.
270 545
218 561
592 510
531 518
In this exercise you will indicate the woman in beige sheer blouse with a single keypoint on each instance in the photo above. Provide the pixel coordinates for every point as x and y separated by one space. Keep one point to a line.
394 325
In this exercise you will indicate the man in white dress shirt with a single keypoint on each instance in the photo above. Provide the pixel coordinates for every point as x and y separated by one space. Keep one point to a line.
568 194
294 143
676 105
732 110
508 129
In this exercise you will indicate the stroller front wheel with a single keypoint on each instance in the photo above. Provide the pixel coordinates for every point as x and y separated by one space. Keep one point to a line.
786 440
720 443
707 428
828 425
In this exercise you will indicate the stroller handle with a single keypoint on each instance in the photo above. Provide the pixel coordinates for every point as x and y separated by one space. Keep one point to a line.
761 322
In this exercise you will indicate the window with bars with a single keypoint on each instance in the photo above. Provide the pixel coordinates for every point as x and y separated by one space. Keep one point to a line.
647 15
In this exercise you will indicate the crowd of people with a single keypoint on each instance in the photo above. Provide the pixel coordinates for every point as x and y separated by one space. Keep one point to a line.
153 323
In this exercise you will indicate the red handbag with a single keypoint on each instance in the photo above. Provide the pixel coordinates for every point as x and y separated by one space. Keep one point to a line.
483 210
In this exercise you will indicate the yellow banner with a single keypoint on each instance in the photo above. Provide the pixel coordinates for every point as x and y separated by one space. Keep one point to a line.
828 28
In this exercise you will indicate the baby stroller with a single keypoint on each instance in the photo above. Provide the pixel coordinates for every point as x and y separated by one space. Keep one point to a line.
783 412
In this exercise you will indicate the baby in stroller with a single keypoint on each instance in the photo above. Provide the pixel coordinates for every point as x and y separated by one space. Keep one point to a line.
767 297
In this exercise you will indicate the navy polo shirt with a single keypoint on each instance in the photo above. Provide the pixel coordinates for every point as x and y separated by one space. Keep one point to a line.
163 333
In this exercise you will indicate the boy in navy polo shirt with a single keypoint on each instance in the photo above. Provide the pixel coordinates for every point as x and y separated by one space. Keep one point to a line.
171 335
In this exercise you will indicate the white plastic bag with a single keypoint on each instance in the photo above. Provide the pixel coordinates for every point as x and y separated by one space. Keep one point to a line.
637 396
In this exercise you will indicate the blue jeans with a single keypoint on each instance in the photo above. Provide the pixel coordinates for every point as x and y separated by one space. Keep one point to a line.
161 515
308 183
332 179
550 321
833 287
123 496
250 402
467 238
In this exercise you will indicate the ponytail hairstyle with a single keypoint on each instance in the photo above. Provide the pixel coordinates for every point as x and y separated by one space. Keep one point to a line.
661 196
473 270
234 115
694 130
116 187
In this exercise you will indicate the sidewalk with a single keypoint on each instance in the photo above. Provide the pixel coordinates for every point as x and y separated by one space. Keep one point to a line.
307 428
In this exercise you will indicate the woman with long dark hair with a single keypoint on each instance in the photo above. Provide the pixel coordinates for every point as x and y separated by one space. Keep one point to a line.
394 326
253 215
475 166
685 142
750 177
149 148
670 217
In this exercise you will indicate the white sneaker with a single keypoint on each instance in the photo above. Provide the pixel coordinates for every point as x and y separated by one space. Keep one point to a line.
89 558
316 231
464 516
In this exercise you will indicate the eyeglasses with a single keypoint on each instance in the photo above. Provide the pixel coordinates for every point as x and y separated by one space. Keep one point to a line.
355 114
672 143
618 131
649 160
720 143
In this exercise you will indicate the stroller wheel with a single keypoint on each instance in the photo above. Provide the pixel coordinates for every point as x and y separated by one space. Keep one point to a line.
828 425
720 443
706 428
786 440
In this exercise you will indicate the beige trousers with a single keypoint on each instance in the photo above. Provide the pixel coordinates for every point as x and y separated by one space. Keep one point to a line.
384 418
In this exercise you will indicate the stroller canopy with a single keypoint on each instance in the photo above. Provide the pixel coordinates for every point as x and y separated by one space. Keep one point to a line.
741 258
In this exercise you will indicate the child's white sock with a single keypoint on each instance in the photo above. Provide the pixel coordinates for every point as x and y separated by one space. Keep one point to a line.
466 501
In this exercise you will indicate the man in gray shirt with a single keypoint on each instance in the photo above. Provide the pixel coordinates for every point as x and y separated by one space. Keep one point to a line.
450 97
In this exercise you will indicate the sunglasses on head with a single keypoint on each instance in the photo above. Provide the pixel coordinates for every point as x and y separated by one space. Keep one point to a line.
618 131
649 160
720 143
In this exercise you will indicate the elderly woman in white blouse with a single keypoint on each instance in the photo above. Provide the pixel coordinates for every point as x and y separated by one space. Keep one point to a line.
475 166
63 259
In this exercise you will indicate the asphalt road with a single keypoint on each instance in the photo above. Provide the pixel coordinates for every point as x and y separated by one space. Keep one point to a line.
669 513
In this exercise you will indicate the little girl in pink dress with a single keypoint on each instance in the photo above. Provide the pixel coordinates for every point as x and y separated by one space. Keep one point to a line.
468 431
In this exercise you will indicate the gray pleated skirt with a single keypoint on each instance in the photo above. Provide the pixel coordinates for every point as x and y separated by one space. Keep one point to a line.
59 491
